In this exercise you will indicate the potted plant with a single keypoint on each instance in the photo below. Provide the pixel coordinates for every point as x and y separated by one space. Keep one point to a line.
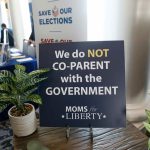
18 88
147 126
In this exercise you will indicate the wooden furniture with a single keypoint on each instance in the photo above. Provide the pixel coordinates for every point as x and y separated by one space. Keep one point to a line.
129 138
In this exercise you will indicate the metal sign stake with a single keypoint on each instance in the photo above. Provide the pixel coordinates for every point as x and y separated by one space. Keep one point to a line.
67 132
91 133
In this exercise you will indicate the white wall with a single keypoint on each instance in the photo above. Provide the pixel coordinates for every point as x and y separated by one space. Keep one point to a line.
19 10
129 21
4 13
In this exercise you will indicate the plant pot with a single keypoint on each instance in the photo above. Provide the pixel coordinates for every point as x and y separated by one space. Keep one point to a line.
23 125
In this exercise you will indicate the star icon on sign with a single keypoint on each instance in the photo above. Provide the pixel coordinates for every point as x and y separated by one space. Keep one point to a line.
62 116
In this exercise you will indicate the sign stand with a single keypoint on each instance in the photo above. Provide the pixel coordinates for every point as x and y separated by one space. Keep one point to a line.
68 133
91 133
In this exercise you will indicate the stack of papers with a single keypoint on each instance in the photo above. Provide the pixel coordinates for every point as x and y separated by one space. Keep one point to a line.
15 54
24 59
14 50
21 56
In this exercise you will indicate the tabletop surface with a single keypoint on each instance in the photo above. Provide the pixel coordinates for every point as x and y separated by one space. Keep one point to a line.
129 138
14 62
30 64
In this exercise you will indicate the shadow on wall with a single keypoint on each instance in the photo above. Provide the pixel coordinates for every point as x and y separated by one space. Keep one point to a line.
139 55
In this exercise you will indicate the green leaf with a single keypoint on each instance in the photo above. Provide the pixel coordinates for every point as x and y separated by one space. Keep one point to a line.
6 77
149 144
38 72
20 68
35 98
147 126
6 73
4 87
37 80
5 98
30 91
6 80
3 105
20 75
148 115
30 82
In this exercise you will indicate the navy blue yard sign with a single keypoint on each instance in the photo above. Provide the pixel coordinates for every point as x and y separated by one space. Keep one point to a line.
86 86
